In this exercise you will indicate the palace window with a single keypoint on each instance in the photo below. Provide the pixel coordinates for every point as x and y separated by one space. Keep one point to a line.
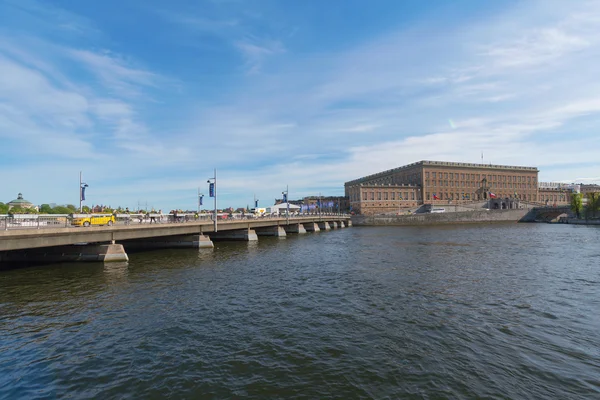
393 195
385 196
378 195
365 196
372 195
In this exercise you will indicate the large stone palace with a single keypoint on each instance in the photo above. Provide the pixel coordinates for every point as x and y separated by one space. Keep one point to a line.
441 182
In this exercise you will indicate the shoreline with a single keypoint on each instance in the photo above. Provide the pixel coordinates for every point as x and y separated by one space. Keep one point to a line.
450 218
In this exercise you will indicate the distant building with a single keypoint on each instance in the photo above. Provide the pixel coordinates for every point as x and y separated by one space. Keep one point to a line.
439 183
593 188
21 203
330 203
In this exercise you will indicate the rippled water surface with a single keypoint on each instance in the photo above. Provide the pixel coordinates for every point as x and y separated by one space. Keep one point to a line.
498 311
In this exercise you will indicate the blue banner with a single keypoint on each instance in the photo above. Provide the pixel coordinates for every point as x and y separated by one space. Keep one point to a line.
200 200
255 203
285 197
83 193
211 190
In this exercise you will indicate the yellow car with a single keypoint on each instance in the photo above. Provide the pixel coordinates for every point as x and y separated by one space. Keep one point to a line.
92 219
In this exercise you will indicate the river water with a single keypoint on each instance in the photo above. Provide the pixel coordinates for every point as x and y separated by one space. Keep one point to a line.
498 311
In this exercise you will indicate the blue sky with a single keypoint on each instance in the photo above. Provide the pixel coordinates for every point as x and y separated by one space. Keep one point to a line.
147 97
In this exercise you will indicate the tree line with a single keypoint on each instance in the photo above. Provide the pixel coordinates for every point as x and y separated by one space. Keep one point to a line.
590 209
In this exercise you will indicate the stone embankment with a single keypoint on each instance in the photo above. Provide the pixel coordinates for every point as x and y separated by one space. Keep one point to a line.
474 216
574 221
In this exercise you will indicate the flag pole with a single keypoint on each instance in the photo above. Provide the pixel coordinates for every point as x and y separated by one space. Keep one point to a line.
80 206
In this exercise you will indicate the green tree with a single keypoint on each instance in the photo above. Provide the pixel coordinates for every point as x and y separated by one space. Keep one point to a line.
577 203
593 204
72 208
45 209
3 208
61 210
21 210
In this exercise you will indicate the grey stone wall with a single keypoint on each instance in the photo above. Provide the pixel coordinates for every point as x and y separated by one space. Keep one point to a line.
441 218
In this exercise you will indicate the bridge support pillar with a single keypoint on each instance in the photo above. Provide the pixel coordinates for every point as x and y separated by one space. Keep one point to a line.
89 252
247 235
170 242
349 223
342 225
324 226
334 225
295 228
312 227
278 231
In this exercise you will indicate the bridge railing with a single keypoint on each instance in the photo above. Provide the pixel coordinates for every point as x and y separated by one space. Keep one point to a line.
46 221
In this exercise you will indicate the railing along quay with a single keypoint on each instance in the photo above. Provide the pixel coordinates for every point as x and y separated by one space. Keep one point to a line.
45 221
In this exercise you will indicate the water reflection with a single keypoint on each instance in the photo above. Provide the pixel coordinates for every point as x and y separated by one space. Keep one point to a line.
116 271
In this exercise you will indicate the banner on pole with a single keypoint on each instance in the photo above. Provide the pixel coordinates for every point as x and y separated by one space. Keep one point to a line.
211 189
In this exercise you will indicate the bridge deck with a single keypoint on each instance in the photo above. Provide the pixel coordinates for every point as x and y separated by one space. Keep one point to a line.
36 238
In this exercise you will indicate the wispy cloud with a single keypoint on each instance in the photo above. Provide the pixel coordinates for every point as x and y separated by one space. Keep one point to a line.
114 72
256 51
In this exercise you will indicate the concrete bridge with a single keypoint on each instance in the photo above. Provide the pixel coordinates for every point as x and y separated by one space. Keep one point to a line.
109 243
546 214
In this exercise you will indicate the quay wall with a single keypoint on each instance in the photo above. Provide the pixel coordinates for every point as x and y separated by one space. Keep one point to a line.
575 221
475 216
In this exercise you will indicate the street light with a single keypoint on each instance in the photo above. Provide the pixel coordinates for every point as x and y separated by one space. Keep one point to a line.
212 192
82 186
200 197
287 201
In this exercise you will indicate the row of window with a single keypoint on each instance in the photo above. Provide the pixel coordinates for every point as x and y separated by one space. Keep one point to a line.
555 197
495 185
480 177
389 195
476 196
384 205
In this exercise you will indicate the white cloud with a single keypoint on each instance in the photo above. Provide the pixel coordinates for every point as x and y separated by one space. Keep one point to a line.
256 51
114 72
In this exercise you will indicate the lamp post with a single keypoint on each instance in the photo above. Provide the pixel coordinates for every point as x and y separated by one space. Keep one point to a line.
212 192
200 197
287 202
82 186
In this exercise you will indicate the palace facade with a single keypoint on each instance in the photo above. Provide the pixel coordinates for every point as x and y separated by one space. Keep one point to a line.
440 182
